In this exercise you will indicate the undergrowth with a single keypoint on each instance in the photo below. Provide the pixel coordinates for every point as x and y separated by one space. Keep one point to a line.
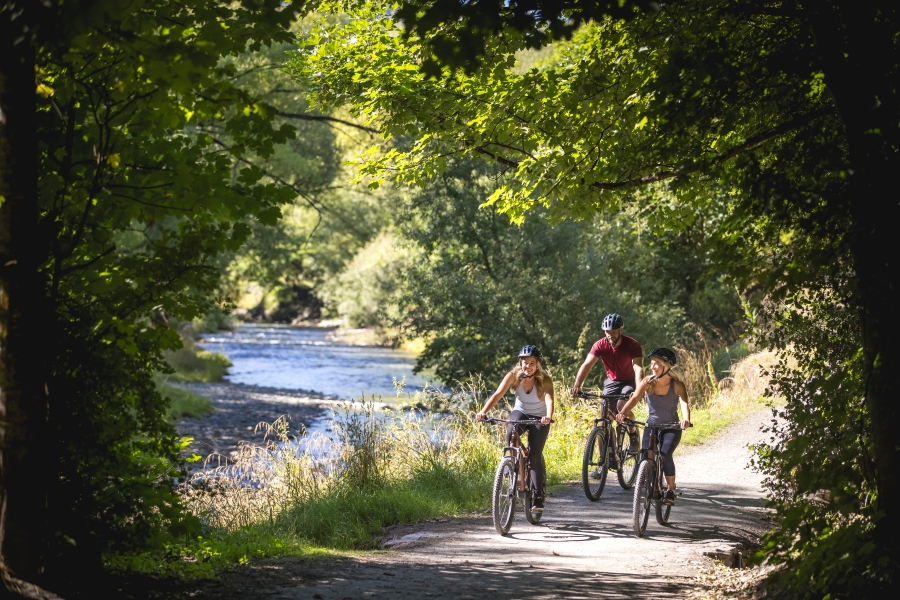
182 401
192 364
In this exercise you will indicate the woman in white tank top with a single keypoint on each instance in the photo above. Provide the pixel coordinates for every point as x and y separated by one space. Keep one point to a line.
533 388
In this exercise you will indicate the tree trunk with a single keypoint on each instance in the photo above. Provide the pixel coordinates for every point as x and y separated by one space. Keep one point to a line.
859 62
24 463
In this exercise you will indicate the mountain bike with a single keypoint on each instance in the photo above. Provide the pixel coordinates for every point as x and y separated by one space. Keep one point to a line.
604 452
650 481
513 480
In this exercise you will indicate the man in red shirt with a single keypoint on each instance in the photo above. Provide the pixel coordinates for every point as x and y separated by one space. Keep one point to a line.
623 358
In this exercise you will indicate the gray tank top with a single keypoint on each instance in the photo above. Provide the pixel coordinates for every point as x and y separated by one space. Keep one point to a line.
529 403
663 409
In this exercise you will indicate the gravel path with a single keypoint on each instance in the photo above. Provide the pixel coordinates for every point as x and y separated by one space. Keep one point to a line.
580 549
239 408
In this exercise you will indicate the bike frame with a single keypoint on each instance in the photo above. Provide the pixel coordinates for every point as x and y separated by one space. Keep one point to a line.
608 417
520 456
518 453
654 455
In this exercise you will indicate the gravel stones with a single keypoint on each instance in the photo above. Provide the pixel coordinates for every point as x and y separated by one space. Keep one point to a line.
240 408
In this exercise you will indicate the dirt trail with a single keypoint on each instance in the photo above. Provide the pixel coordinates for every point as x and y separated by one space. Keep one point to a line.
580 549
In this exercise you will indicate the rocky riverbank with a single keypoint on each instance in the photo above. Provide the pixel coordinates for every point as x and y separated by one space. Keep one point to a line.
239 408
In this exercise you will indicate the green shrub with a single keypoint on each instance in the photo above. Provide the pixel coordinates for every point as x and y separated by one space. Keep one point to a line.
192 364
366 292
213 321
182 401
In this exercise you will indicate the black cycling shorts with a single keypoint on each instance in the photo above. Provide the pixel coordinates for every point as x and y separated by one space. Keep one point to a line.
611 386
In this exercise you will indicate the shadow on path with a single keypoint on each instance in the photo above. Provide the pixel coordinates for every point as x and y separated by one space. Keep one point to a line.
348 579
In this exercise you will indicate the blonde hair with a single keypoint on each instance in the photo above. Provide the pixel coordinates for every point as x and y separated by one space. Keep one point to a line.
540 376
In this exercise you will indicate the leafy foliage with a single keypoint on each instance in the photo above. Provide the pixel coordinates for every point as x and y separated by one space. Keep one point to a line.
144 134
819 466
366 293
763 119
486 287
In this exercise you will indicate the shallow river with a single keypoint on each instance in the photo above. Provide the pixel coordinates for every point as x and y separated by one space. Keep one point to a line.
301 358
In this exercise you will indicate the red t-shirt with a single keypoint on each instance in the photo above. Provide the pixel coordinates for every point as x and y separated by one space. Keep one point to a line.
618 360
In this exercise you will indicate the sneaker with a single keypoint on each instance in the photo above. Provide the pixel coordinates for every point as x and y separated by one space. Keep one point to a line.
669 497
538 504
595 474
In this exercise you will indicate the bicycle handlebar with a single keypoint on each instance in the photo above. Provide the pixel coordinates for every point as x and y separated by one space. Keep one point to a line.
658 425
592 395
494 421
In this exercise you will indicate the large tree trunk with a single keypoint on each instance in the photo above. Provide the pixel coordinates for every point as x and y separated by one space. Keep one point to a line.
24 462
855 42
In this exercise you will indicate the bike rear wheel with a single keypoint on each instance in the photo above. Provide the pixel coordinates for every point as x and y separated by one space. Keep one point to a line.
594 465
533 518
662 509
503 500
628 468
643 496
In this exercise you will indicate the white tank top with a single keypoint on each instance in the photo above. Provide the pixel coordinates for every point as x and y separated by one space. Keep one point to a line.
529 403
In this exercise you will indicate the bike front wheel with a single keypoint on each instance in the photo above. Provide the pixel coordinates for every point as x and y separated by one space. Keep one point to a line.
594 465
503 500
643 496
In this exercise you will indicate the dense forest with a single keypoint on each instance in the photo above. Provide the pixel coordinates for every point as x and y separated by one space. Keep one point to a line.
464 177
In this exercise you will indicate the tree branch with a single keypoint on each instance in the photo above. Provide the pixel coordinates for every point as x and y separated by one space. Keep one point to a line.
749 144
306 117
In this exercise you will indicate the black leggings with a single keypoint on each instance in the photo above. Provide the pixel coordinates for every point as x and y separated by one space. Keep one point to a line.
537 437
668 441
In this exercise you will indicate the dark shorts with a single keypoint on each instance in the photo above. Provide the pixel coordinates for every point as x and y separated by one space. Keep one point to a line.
618 386
611 386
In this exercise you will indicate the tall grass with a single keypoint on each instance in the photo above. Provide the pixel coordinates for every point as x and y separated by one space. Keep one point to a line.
380 468
716 403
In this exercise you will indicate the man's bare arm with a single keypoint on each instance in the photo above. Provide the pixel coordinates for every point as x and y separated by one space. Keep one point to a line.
583 372
638 364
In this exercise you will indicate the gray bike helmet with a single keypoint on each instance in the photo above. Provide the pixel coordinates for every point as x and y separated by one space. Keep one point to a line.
665 354
530 350
612 321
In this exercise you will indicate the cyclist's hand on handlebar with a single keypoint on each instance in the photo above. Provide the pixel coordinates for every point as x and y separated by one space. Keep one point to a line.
685 424
545 420
575 391
480 416
620 418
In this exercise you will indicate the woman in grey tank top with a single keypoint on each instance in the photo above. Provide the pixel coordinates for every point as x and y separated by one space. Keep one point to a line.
533 389
664 394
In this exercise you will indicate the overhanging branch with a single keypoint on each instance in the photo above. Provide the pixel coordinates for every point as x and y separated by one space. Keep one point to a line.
748 144
306 117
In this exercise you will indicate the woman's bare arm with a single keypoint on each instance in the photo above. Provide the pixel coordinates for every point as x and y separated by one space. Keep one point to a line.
681 391
549 399
636 396
495 397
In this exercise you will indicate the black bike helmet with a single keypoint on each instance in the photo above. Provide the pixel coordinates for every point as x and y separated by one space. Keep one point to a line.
665 354
530 350
612 321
